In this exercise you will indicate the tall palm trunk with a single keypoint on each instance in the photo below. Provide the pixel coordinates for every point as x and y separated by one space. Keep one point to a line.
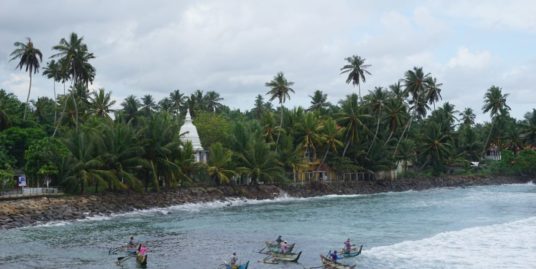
376 133
280 128
408 125
28 97
487 139
55 110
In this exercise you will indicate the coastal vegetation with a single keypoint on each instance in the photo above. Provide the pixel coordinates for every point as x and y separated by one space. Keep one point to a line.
78 141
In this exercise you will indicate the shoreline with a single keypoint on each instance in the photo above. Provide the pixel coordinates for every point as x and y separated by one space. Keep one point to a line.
22 212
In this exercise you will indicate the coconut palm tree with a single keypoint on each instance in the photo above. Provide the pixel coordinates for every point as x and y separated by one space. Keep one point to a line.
122 156
330 137
161 143
352 118
495 104
218 166
74 57
148 104
434 91
259 163
308 133
212 100
100 104
528 128
131 106
377 101
280 89
30 58
396 115
178 101
319 101
356 69
467 117
435 147
53 71
416 86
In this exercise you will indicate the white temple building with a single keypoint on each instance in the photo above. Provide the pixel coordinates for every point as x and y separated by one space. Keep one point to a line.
189 134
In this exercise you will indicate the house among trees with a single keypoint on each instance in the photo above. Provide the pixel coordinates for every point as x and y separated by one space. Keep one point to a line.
188 133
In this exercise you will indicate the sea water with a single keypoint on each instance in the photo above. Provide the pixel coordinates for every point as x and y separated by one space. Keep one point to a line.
476 227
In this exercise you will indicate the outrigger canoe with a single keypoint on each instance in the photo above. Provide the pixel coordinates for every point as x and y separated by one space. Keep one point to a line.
141 260
289 257
273 247
242 266
354 252
329 264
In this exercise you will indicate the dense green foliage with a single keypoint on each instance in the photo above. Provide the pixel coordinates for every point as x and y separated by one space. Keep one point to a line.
78 141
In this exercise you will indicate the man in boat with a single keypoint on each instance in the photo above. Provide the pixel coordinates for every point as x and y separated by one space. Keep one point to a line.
234 261
279 240
142 249
131 242
284 247
347 246
334 256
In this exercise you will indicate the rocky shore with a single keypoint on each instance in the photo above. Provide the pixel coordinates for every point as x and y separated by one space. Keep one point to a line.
30 211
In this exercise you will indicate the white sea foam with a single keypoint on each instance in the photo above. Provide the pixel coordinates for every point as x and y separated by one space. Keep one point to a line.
508 245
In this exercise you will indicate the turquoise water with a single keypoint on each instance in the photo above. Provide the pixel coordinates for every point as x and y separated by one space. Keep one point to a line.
477 227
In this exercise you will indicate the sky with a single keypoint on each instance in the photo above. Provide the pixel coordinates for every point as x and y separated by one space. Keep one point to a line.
235 47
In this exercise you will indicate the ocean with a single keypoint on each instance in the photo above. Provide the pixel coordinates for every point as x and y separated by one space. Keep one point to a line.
474 227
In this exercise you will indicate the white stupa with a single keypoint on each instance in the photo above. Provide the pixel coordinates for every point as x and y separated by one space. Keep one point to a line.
189 134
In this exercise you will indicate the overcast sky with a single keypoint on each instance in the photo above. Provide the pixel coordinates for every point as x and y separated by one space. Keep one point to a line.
234 47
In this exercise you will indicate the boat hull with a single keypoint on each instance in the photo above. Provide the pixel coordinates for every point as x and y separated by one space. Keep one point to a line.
329 264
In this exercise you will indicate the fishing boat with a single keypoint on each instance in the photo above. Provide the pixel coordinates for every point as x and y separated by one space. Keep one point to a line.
329 264
353 252
241 266
289 257
141 260
274 247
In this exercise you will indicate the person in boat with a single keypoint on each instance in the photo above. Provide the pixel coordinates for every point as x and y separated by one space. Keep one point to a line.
142 249
347 246
131 243
279 240
234 261
333 255
284 247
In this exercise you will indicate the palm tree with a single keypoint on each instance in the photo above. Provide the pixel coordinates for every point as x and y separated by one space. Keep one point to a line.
356 69
161 143
259 163
377 103
352 117
467 117
308 133
434 91
495 104
178 101
318 101
100 104
74 56
331 134
218 164
396 115
148 104
416 85
28 57
83 164
131 106
280 89
258 108
528 128
122 156
212 100
53 71
436 147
